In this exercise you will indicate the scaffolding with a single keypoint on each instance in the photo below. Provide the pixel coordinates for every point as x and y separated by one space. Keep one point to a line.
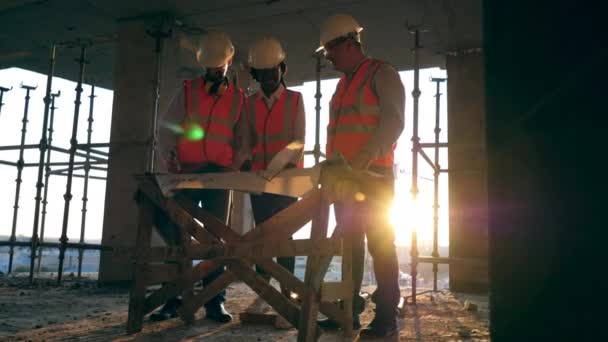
94 159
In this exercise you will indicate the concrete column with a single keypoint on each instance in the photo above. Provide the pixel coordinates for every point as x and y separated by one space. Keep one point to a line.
467 169
132 110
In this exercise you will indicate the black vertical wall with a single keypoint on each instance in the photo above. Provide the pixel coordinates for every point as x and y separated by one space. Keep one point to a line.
547 96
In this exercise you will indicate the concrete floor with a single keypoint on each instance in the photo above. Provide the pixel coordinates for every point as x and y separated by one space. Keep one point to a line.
79 310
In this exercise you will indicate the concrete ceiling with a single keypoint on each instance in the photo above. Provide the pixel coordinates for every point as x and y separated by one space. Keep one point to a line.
29 27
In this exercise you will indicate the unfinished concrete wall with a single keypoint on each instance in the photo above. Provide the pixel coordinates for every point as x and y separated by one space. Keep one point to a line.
467 169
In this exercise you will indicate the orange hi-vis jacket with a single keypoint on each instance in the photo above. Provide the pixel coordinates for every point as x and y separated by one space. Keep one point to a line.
274 126
217 117
354 115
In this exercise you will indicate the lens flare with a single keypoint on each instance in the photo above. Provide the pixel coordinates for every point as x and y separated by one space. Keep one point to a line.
194 132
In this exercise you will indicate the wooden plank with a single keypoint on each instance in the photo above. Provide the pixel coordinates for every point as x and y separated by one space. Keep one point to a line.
178 215
272 296
187 309
287 279
214 225
159 297
285 223
313 278
267 249
257 318
160 273
206 252
292 182
347 286
137 295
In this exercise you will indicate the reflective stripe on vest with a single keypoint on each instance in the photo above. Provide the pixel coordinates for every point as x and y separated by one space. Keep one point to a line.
274 126
354 115
216 116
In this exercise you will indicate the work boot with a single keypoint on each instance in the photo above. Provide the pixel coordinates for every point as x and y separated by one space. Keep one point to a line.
382 326
217 312
169 310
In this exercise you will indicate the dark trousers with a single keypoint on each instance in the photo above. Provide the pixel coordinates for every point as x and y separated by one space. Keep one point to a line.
264 207
369 218
217 202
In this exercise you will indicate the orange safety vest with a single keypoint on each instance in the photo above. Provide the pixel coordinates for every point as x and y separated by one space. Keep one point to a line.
354 115
274 126
216 116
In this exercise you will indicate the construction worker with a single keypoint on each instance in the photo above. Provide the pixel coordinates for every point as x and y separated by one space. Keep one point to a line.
366 119
214 137
277 114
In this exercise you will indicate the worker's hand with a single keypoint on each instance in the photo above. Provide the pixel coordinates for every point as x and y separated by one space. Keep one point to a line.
361 161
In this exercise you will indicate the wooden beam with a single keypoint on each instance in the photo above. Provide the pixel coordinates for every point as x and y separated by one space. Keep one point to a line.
292 182
272 296
313 278
214 225
177 214
263 249
347 286
169 290
289 280
137 295
285 223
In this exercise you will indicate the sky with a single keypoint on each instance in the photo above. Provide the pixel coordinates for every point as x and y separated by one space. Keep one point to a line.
403 214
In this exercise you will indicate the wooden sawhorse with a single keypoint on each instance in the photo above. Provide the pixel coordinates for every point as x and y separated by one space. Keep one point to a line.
218 245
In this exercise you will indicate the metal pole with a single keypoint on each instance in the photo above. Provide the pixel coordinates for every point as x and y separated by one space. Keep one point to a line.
73 142
19 172
318 95
46 178
415 149
87 168
158 35
43 148
2 91
436 174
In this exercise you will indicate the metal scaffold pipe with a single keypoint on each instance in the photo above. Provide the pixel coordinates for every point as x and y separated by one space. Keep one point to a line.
73 145
2 91
436 173
415 147
46 179
87 168
158 36
20 163
43 148
318 95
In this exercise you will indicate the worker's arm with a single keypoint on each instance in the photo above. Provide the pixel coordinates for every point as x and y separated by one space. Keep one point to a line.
391 94
245 138
299 127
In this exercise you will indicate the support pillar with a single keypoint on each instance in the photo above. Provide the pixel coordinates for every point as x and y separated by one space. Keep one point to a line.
134 71
468 170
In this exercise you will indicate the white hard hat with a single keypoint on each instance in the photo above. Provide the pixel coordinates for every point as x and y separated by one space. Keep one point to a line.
337 26
216 50
266 53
